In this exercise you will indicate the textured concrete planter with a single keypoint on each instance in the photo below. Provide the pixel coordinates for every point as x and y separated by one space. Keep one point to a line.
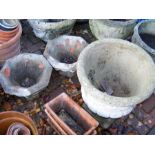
50 29
68 118
115 75
25 75
15 123
104 28
10 43
144 36
62 53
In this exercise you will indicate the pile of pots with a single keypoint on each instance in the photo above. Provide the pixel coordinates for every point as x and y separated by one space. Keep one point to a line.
115 74
16 123
10 33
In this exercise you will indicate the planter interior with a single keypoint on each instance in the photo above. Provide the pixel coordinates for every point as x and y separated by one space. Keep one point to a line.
114 70
25 73
71 118
147 33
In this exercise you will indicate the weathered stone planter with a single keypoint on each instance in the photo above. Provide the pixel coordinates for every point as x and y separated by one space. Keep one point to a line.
25 75
50 29
10 43
144 36
68 118
62 53
104 28
16 123
115 75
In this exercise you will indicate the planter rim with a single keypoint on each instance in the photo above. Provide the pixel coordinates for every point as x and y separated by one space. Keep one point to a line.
40 24
115 23
115 101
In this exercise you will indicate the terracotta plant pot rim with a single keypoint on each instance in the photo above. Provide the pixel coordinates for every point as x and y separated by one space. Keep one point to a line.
9 32
12 40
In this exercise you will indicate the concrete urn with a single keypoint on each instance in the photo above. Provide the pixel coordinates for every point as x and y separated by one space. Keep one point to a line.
115 76
47 29
106 28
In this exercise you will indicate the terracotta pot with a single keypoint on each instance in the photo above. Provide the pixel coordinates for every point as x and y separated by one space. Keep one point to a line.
7 35
73 120
11 47
18 129
10 117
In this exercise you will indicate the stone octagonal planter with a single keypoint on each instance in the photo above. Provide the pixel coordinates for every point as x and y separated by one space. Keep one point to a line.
49 29
62 53
115 75
106 28
25 75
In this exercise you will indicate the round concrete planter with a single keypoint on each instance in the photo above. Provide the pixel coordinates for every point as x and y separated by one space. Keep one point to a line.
25 75
47 30
10 118
115 75
10 43
140 37
104 28
62 53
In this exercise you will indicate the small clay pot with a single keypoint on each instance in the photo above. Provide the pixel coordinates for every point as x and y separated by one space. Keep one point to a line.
10 117
18 129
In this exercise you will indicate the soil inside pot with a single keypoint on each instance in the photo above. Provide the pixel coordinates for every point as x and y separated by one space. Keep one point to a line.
72 123
27 82
68 59
149 39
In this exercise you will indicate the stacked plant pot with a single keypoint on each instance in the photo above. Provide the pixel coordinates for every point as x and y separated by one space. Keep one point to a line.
68 118
16 123
10 33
